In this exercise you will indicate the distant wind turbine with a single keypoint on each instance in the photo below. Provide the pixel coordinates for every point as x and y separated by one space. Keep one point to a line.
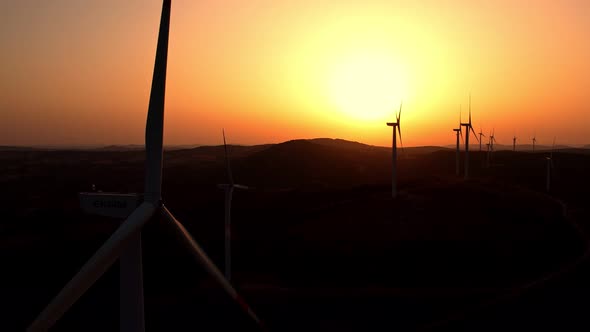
395 125
481 134
458 153
492 142
229 189
514 143
468 130
125 243
457 157
534 141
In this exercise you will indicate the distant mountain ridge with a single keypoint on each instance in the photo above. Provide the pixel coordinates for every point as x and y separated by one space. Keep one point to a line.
323 141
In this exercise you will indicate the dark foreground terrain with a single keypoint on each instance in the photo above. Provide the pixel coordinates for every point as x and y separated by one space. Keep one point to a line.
318 244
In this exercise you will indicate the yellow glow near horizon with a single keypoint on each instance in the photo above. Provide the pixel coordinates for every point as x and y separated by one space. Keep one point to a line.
367 86
268 71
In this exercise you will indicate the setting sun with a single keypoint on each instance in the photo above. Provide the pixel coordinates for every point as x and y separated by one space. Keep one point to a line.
367 86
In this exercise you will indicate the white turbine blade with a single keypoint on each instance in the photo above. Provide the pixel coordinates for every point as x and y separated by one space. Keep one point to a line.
240 186
154 129
208 265
227 164
93 269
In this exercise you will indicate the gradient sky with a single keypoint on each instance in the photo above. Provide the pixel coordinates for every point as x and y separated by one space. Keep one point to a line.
78 72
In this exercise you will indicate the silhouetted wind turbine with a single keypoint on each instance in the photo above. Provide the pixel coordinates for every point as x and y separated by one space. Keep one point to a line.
514 143
550 166
457 161
481 134
395 125
229 189
126 240
534 141
469 129
458 153
493 139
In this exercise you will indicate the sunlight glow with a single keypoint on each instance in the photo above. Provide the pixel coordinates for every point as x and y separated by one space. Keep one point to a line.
367 86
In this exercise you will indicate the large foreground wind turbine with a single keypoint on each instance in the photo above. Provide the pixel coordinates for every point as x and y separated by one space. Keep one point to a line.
125 243
468 130
229 190
395 125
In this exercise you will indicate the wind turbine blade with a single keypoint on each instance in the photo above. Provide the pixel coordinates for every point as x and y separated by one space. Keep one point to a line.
240 186
154 129
208 265
474 133
106 255
461 134
227 163
399 115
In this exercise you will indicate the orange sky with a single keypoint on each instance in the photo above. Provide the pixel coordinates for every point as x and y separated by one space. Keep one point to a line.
78 72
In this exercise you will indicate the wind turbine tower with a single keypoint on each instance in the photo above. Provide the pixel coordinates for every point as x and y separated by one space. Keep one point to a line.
229 189
468 130
395 125
125 243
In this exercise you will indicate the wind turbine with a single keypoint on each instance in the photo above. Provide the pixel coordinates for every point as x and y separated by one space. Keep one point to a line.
514 143
492 139
550 166
469 129
457 162
458 154
229 189
395 125
125 243
534 141
480 136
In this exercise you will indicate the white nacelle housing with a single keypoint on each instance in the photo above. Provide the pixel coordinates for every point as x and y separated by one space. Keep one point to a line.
109 204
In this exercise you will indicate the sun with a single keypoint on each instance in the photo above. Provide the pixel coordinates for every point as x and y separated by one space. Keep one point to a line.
367 86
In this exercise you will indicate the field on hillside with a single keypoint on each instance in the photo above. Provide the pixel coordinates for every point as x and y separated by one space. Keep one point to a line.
318 243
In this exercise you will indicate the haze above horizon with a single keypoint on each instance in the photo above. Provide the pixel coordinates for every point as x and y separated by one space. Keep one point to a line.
78 73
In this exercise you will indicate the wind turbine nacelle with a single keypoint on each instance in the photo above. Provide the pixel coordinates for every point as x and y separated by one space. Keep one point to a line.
109 204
